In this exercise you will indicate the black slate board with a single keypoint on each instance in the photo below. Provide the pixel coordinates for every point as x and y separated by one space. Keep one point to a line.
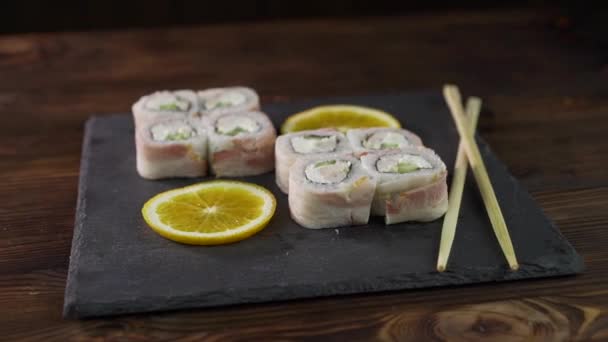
118 265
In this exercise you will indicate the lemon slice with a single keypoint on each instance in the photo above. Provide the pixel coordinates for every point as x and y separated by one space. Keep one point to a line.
210 213
341 117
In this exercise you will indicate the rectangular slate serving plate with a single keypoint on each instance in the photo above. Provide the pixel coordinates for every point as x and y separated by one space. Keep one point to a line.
118 265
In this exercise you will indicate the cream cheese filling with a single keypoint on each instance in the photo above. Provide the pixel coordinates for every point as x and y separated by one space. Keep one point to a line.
236 124
167 101
328 172
307 144
172 131
385 140
402 163
225 99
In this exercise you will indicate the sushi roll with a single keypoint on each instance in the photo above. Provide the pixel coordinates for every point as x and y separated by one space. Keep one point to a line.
331 190
240 144
411 184
291 146
364 140
163 105
171 148
228 100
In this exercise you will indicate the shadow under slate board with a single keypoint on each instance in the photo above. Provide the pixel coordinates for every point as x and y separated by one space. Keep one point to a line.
119 265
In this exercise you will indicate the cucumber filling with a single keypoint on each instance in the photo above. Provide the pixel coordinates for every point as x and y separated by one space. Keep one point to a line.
314 143
233 125
402 163
173 131
328 171
225 100
167 102
385 140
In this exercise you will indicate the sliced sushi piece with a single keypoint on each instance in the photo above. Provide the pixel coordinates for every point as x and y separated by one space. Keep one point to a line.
331 190
364 140
240 144
163 105
291 146
171 148
411 184
228 100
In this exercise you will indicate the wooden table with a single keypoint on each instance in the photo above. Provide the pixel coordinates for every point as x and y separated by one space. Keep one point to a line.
549 123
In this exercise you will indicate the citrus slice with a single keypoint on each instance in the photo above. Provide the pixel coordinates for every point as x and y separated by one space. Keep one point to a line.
210 213
341 117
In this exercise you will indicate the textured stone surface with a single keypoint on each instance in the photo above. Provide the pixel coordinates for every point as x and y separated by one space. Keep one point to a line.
119 265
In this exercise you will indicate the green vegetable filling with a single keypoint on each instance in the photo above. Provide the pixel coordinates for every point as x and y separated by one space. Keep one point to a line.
316 137
325 163
236 131
178 136
169 106
385 145
405 167
222 104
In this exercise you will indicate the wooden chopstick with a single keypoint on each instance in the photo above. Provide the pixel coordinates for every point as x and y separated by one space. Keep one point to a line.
460 175
453 99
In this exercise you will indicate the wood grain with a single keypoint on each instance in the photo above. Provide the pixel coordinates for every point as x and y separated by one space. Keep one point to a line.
548 123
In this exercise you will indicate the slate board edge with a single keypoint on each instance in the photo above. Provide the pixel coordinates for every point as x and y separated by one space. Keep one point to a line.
338 289
70 296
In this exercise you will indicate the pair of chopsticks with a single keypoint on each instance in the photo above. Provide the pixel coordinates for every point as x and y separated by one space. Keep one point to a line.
468 152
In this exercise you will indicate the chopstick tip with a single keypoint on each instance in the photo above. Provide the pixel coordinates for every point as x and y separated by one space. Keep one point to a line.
514 267
440 268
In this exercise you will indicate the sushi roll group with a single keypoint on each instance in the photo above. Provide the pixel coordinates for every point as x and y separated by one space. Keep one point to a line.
332 179
181 133
325 170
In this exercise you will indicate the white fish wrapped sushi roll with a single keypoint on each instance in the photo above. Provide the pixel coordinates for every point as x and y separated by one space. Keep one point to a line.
411 184
365 140
292 146
163 105
228 100
331 190
171 148
240 144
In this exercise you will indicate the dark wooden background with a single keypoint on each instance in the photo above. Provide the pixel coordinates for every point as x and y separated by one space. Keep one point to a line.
544 79
60 15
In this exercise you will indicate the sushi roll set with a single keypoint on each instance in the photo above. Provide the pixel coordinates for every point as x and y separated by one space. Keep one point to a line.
333 180
185 134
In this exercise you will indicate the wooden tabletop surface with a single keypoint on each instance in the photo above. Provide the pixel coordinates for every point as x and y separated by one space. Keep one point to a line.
548 122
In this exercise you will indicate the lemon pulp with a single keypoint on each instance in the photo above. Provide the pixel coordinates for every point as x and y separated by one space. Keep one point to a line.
341 117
